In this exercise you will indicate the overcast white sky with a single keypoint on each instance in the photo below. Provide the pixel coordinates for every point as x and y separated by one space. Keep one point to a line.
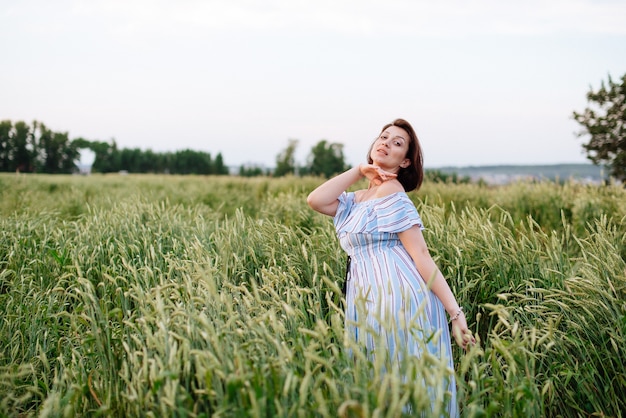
483 82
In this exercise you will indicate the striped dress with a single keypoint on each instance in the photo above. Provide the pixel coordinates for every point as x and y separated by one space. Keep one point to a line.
384 289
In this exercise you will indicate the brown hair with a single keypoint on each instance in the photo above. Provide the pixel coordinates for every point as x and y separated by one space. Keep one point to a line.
410 177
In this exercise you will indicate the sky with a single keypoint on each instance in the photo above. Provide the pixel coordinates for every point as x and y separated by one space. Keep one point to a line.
483 82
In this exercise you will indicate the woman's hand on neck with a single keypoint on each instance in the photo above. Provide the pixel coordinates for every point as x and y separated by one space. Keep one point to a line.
375 174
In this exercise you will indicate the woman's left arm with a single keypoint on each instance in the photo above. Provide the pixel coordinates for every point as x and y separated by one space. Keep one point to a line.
414 243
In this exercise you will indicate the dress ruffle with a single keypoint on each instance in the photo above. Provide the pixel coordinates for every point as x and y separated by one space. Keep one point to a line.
395 213
392 214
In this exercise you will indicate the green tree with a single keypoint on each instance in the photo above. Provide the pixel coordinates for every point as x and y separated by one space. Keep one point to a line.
130 159
286 160
219 167
189 161
23 148
69 155
82 143
326 159
150 162
107 158
6 128
605 123
56 154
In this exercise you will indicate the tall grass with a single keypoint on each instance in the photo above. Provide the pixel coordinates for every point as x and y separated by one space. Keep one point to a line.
199 296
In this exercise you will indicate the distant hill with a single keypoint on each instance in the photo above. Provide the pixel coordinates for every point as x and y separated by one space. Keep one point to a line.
499 174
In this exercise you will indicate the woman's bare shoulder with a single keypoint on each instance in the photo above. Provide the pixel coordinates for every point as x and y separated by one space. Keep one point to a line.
389 187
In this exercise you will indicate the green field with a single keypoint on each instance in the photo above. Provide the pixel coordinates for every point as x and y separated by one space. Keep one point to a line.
219 296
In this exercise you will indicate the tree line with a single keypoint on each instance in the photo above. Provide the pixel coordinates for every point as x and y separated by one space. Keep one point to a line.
110 159
35 148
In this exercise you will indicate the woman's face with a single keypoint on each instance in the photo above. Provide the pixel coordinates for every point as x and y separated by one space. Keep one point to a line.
390 149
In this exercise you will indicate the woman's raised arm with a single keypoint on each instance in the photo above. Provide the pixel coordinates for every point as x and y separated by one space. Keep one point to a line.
324 198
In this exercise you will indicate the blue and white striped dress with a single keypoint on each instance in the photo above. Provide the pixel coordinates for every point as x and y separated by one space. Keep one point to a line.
384 285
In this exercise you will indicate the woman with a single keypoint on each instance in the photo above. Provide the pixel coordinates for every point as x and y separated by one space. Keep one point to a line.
390 270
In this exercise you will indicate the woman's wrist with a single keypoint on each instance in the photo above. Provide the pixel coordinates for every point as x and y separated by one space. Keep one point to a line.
456 314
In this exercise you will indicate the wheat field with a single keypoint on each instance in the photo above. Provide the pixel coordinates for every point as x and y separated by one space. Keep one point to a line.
191 296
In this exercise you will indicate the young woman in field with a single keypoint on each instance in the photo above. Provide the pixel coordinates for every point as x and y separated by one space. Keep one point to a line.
393 284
